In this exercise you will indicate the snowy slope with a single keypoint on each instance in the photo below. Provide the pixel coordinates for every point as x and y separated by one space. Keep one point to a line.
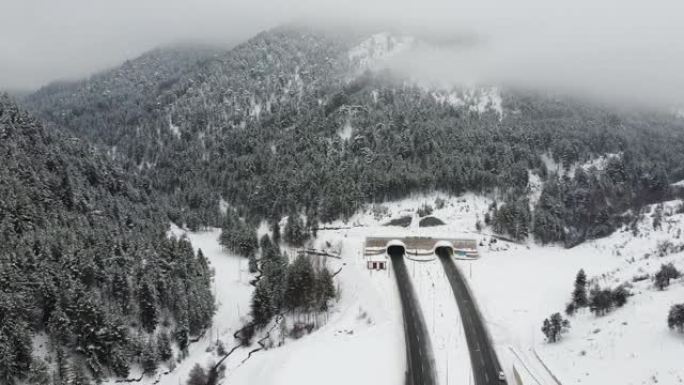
362 342
516 287
519 287
376 49
475 99
364 339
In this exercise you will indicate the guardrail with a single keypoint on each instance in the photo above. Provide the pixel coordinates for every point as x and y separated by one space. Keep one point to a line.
546 367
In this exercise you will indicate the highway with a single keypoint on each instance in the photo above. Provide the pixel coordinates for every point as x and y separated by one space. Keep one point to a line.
420 362
483 358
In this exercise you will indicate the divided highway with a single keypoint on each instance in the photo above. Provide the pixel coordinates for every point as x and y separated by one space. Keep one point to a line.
421 368
483 358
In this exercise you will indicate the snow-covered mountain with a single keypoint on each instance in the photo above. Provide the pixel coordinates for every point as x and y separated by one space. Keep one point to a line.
311 135
373 51
478 100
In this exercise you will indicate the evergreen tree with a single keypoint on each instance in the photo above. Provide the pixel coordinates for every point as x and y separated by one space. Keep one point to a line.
295 232
276 231
620 295
182 336
15 340
59 326
600 301
238 236
325 289
63 374
79 376
274 269
203 263
121 290
513 218
262 308
666 273
554 326
252 265
198 376
675 318
149 358
119 362
39 373
579 295
658 217
661 280
164 346
147 301
299 290
570 309
266 245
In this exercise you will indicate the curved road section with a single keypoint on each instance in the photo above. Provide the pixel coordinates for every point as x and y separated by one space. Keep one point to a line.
483 358
421 368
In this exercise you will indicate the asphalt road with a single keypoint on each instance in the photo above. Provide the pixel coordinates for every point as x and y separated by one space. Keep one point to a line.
483 358
420 362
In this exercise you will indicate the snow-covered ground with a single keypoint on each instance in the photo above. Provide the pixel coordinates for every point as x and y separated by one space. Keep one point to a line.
346 131
443 321
520 286
363 341
515 285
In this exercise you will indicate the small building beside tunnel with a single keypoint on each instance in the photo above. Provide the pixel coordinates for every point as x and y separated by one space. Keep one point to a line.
376 262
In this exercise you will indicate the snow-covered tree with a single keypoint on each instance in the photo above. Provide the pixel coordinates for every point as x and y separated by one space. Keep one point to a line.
675 318
149 357
164 346
198 376
579 294
554 326
325 288
147 301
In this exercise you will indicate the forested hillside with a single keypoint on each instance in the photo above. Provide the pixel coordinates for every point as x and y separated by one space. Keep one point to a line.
113 104
297 121
89 282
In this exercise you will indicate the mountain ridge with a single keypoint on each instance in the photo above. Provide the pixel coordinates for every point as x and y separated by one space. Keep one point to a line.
259 128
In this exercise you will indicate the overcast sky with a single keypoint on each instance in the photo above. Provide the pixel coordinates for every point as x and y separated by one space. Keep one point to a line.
597 45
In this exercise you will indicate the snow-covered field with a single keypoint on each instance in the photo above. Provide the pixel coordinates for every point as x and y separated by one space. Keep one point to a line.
516 286
361 343
519 287
364 340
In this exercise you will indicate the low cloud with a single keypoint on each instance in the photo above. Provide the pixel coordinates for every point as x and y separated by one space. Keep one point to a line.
619 49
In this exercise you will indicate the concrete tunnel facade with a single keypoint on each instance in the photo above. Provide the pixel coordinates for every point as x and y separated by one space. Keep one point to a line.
443 245
397 246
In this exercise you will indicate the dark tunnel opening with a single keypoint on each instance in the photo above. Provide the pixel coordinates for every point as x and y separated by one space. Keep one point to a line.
444 251
396 251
